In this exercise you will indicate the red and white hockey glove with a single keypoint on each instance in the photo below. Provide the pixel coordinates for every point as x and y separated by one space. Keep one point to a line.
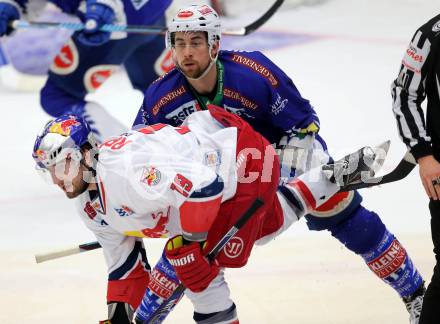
192 267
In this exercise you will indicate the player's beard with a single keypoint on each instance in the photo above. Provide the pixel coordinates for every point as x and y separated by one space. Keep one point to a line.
77 188
81 183
195 71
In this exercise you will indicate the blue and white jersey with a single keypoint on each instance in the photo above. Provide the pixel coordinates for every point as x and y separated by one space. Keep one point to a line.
254 88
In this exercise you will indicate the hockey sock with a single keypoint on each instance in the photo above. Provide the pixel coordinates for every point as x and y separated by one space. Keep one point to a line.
366 235
163 282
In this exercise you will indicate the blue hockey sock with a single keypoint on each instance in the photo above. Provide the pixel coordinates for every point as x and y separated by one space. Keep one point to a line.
390 262
163 282
366 235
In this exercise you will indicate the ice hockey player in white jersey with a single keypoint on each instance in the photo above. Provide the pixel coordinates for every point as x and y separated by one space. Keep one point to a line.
190 183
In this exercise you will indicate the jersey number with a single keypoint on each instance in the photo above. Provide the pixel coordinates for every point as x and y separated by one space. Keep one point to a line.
116 143
182 185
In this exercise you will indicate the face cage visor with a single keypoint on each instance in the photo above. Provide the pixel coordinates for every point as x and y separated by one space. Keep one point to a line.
59 164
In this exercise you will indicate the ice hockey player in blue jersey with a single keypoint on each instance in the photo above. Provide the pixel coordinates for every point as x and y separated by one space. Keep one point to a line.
253 87
90 56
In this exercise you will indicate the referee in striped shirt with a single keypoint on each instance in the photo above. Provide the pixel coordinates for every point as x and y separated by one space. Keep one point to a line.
419 78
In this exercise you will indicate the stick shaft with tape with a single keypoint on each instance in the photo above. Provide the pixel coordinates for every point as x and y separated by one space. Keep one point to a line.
56 254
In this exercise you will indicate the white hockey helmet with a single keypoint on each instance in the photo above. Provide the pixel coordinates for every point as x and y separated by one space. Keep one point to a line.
60 138
195 18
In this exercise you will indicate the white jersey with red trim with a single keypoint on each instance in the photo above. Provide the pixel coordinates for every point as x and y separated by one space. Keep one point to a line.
117 246
127 265
145 176
145 179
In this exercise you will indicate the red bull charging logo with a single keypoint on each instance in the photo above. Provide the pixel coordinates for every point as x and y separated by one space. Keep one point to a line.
63 127
41 155
151 176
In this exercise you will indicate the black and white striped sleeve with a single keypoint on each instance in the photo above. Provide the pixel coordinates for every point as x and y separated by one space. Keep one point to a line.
409 91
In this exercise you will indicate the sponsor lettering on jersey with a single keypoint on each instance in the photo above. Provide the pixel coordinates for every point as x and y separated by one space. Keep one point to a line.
412 53
390 260
260 69
167 98
67 59
150 176
179 114
234 95
161 284
279 105
124 211
234 247
97 75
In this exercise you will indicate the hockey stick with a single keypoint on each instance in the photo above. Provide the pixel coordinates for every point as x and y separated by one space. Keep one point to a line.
177 294
139 29
60 253
405 166
65 252
243 31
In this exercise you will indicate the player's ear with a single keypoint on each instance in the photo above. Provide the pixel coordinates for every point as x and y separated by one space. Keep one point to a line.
215 48
88 156
173 55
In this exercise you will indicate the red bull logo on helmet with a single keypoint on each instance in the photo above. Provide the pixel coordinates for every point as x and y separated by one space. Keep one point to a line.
41 155
63 127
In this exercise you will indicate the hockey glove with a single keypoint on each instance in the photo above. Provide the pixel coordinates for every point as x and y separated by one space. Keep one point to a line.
299 153
97 15
118 313
192 267
8 13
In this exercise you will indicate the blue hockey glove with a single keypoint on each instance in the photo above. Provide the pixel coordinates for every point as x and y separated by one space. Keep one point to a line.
97 15
8 13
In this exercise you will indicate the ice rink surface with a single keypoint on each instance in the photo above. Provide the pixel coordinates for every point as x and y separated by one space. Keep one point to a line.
343 56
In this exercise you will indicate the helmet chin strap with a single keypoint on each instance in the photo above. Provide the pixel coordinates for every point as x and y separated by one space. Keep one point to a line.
208 68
